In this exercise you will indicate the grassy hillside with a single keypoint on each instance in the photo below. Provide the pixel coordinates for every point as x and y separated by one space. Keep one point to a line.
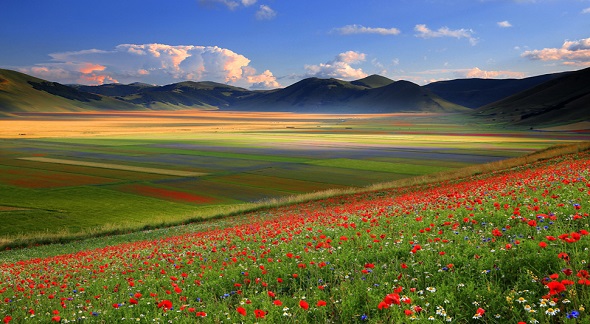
562 100
370 95
475 93
115 89
373 81
483 248
182 95
23 93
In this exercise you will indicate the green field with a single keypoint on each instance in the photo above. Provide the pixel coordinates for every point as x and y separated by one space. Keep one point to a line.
78 184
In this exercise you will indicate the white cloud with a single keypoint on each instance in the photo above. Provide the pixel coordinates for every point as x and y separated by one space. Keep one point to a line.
339 68
358 29
230 4
585 11
266 80
265 13
151 63
575 53
425 32
248 3
504 24
448 74
483 74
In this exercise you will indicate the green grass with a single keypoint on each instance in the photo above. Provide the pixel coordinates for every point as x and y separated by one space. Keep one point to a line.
81 208
116 210
367 165
245 169
341 255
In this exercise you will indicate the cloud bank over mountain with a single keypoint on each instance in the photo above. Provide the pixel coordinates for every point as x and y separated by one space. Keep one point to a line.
153 63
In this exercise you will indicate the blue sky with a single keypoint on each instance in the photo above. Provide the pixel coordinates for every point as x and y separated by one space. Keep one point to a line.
262 44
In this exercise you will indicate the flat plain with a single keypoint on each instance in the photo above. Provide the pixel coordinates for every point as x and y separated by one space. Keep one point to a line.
75 172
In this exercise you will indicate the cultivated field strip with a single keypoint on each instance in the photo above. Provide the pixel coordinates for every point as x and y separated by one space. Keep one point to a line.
177 173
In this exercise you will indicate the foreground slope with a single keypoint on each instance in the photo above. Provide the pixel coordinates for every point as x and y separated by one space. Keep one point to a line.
501 247
20 92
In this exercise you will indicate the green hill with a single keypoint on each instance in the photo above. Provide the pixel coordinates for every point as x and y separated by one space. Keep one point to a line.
475 93
373 81
546 100
562 100
182 95
20 92
337 96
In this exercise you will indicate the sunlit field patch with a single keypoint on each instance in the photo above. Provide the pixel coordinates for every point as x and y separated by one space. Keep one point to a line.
115 166
402 168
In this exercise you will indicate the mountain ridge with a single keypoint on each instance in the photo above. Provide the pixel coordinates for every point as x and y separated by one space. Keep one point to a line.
550 99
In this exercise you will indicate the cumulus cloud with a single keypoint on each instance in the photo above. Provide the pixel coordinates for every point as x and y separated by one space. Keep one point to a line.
339 68
265 13
576 53
230 4
585 11
152 63
448 74
248 2
358 29
266 80
504 24
425 32
483 74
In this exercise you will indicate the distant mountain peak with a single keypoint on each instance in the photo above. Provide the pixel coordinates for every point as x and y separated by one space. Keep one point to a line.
373 81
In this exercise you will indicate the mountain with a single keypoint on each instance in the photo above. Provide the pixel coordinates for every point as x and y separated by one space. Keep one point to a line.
475 93
545 100
114 89
20 92
312 94
564 99
369 95
373 81
182 95
401 95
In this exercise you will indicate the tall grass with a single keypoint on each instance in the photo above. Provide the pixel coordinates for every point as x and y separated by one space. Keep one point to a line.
221 212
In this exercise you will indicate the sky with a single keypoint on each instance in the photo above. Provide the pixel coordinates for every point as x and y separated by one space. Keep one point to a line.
266 44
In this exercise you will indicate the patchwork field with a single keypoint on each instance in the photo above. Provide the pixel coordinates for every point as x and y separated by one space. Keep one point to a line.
75 172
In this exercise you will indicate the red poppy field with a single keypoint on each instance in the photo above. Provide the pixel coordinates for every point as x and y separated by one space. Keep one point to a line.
506 247
167 194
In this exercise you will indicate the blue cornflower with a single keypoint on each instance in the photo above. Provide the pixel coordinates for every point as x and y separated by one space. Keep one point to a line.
364 317
573 314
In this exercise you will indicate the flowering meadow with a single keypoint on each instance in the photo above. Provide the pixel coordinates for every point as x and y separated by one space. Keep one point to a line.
506 247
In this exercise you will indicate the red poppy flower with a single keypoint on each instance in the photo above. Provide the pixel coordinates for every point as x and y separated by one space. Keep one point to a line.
165 304
555 287
543 244
321 303
303 304
259 313
241 310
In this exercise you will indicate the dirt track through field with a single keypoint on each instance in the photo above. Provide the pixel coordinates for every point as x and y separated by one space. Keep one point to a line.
177 173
